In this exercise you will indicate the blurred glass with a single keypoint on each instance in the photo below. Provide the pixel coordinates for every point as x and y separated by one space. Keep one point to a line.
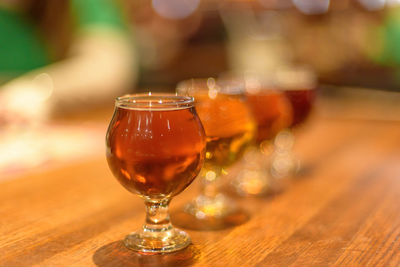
273 112
229 127
299 85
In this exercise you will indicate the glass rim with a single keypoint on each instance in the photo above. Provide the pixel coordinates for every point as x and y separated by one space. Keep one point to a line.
154 101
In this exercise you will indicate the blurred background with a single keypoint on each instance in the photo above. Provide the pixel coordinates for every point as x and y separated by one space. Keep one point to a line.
62 62
347 42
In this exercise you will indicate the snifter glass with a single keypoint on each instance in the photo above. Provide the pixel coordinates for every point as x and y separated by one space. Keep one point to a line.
273 113
229 127
155 148
299 84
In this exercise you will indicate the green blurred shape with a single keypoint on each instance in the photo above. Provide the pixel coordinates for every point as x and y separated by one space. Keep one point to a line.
21 48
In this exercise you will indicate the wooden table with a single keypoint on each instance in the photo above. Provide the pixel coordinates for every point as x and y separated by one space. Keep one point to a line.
343 210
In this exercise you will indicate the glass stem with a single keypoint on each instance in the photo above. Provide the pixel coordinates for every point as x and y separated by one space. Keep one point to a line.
157 216
283 163
209 185
284 142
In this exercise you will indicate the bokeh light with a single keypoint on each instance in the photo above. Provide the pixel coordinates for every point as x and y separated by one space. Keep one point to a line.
175 9
312 7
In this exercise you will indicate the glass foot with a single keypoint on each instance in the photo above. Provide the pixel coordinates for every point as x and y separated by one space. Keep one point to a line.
204 207
284 165
154 242
253 183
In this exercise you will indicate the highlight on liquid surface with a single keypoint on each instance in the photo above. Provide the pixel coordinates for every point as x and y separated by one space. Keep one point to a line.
229 127
155 153
272 111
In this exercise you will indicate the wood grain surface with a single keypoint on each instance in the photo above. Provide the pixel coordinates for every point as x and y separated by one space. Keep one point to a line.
342 210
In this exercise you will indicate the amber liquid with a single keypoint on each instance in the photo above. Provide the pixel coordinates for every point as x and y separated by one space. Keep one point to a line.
302 101
229 127
272 111
155 153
